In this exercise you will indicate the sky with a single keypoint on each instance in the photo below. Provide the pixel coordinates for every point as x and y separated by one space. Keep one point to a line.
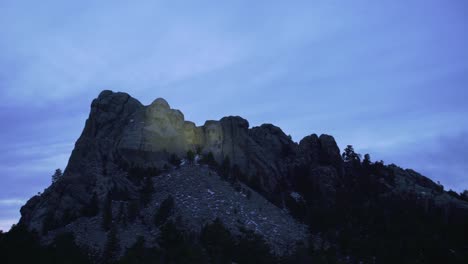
388 77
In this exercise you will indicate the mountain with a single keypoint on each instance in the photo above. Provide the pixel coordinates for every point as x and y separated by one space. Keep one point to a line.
144 185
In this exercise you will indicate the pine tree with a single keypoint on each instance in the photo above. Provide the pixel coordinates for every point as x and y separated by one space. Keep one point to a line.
367 161
350 156
209 160
147 191
133 210
107 213
112 245
57 175
226 167
174 160
164 211
464 195
252 248
218 242
92 208
190 156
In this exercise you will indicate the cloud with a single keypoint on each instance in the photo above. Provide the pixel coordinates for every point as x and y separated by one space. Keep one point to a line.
45 165
144 53
22 159
12 202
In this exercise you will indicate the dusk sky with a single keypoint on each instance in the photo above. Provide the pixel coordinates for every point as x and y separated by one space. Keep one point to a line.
388 77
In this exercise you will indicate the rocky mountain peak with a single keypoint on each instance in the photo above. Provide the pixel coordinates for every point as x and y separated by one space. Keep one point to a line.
131 159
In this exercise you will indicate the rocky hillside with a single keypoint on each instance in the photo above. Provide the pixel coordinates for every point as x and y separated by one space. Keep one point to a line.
199 196
136 171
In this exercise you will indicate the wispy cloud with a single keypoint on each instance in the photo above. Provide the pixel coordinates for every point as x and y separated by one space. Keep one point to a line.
12 202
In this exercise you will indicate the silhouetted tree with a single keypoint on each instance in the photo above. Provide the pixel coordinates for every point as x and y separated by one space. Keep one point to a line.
147 191
190 156
174 160
225 167
255 183
366 162
121 215
454 194
20 246
164 211
176 248
350 155
111 247
50 222
65 250
107 213
218 242
237 175
133 210
464 195
198 150
57 175
252 248
138 253
92 208
209 160
137 173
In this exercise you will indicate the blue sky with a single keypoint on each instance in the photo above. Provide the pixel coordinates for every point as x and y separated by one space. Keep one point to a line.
389 77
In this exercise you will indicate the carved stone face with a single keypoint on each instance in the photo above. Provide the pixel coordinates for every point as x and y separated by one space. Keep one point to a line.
159 129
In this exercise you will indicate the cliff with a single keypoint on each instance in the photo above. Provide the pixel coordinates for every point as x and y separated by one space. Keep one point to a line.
126 164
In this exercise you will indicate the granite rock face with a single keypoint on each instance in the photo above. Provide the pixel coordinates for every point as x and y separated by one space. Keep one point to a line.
146 136
117 162
121 133
90 160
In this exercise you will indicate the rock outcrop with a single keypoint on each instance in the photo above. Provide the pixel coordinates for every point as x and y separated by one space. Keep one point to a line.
122 134
125 143
121 130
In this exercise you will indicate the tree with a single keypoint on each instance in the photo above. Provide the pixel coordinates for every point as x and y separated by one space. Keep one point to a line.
367 161
218 242
138 253
65 250
350 156
133 210
174 160
226 167
50 222
164 211
147 191
190 156
252 248
92 208
170 240
20 245
107 213
237 175
198 150
453 194
57 175
464 195
121 218
176 248
209 160
112 245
